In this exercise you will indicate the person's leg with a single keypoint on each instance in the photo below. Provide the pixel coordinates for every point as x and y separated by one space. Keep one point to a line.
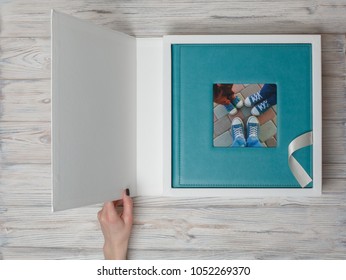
263 106
231 109
237 101
268 90
264 93
253 132
254 142
272 99
237 131
239 143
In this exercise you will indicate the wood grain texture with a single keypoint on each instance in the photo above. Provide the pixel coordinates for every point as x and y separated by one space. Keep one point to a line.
29 58
30 18
25 58
33 253
291 230
38 253
25 142
22 99
164 228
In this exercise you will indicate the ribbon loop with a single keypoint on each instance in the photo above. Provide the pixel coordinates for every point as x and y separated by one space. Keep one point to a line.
298 171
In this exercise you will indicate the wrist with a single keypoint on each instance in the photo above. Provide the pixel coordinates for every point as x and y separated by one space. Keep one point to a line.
115 252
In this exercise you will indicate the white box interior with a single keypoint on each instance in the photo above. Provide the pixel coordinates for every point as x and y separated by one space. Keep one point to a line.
111 114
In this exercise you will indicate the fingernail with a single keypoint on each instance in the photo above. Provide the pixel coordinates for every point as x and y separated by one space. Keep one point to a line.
127 192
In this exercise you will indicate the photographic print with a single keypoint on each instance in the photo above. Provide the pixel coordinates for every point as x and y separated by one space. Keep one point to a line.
245 115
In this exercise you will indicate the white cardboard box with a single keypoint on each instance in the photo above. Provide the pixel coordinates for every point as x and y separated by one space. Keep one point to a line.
111 114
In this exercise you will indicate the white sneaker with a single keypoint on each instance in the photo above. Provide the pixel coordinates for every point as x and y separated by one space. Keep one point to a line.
231 109
255 112
237 102
237 130
253 99
252 127
260 108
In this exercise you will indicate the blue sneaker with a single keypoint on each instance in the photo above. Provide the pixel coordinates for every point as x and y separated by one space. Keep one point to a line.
260 108
237 102
253 99
252 128
237 131
231 109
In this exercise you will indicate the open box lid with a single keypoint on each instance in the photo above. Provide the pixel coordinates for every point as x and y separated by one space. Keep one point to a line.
93 113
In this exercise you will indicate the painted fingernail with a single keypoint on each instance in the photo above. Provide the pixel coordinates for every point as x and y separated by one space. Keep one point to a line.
127 192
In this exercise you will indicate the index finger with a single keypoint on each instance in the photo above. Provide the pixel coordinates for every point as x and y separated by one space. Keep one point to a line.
109 212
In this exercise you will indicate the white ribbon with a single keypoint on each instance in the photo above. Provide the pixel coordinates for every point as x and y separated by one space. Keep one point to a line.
298 171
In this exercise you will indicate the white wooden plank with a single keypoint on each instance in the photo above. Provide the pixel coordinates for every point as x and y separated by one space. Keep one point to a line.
155 18
333 139
25 185
231 254
25 100
25 58
333 55
333 98
28 142
34 253
29 58
300 230
334 171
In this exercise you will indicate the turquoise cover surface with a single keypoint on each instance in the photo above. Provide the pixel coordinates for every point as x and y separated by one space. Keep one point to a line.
196 163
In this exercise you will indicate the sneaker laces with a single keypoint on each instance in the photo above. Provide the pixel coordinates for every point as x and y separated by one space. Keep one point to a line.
238 132
253 131
255 97
263 105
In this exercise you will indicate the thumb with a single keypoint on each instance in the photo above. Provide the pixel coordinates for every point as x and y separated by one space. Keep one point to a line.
128 209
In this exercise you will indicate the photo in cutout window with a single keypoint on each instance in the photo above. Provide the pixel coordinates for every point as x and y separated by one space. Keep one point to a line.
245 115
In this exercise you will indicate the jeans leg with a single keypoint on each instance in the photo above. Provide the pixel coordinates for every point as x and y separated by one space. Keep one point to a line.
268 90
272 100
239 142
254 142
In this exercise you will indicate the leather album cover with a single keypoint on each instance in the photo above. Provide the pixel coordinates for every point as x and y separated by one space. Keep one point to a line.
235 110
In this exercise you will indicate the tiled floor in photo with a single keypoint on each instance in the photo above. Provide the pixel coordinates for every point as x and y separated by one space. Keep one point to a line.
223 120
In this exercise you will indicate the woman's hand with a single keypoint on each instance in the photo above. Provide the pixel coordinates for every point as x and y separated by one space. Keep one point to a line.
116 227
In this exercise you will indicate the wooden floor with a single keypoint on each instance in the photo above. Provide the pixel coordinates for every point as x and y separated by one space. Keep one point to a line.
280 228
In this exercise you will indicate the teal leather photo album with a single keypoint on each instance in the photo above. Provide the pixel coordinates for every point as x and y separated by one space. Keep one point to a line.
246 114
